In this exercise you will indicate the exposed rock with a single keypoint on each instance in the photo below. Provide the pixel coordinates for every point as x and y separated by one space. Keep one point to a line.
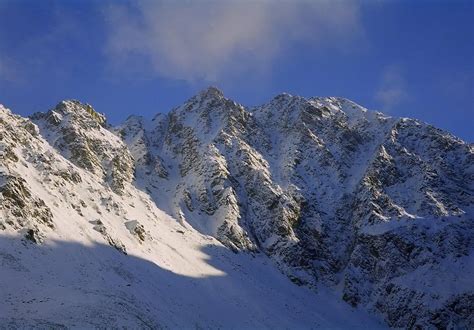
19 206
137 230
79 133
114 242
305 181
33 235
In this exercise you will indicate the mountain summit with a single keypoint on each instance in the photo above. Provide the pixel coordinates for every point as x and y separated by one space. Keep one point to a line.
354 207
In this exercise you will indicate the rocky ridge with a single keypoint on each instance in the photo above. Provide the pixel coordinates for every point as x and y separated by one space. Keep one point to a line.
305 181
379 209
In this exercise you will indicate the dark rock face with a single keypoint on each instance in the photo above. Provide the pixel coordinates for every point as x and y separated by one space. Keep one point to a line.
20 205
335 194
394 269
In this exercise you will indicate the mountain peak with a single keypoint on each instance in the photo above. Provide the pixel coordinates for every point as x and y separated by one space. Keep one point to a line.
212 92
134 119
283 95
4 109
76 107
71 109
207 99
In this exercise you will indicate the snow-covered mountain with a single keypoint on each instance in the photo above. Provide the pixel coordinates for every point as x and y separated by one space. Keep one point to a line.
299 213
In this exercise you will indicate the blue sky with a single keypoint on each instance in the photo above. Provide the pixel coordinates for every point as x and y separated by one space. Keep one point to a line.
405 58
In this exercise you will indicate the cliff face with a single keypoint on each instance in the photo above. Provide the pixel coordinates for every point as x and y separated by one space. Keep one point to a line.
375 208
335 194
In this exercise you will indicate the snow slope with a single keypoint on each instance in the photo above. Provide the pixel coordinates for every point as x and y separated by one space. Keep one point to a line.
86 283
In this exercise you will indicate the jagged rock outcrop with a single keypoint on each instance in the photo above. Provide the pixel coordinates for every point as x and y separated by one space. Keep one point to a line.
80 134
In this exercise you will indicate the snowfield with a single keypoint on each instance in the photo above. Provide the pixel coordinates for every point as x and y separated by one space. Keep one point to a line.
182 281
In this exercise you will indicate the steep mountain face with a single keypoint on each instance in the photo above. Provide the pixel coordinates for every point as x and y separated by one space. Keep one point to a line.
75 251
335 194
374 209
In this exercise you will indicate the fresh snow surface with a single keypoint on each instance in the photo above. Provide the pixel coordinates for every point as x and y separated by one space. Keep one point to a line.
180 281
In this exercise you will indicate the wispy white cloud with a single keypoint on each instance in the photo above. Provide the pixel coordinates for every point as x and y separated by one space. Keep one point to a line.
207 40
392 90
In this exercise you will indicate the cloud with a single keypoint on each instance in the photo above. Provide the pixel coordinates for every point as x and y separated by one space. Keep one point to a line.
207 40
391 91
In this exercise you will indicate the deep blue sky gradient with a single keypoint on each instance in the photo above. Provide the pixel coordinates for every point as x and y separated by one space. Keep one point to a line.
54 50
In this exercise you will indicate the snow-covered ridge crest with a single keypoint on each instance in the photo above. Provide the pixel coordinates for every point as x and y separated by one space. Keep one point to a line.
80 134
368 207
